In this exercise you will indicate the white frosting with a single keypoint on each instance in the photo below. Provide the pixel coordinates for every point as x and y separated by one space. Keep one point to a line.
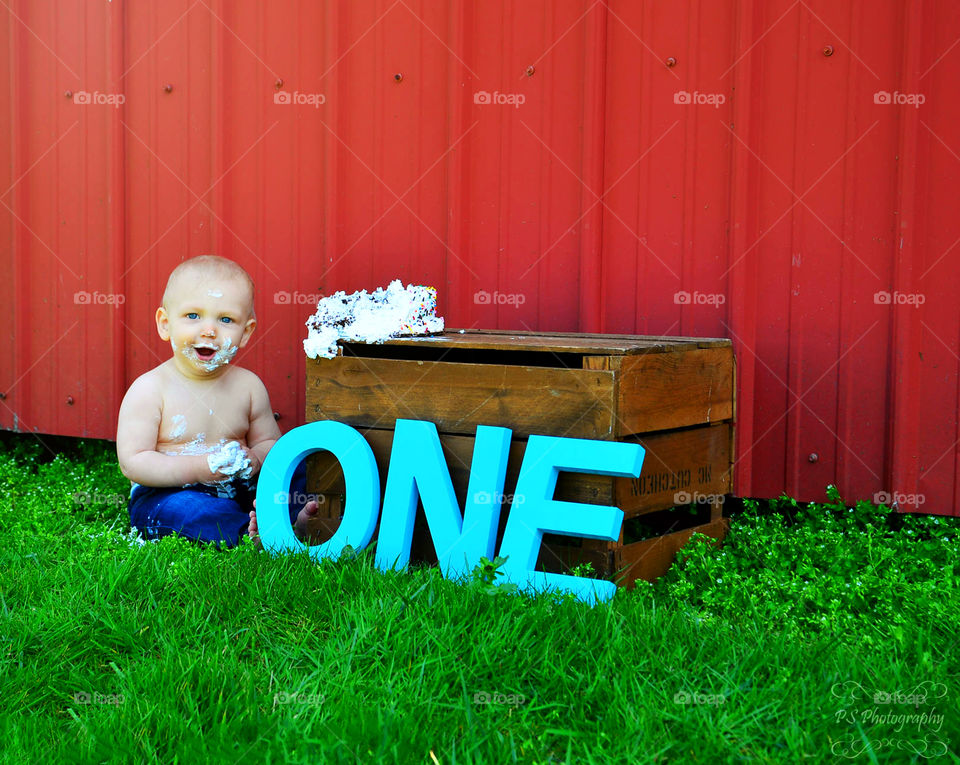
179 426
371 317
227 457
223 355
199 446
230 459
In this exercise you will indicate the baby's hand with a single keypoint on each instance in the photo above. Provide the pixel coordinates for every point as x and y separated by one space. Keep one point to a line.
214 477
232 460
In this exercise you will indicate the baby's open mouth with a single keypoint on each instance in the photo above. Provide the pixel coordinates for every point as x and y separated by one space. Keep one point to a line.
204 352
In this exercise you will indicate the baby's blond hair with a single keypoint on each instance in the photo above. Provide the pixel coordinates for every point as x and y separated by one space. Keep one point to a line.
207 266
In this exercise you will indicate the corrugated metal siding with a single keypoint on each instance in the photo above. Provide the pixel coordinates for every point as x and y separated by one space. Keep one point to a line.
597 201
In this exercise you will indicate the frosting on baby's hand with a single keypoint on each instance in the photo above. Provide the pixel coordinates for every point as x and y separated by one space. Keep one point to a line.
230 460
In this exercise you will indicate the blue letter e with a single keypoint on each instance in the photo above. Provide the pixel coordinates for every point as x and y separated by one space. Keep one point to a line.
535 511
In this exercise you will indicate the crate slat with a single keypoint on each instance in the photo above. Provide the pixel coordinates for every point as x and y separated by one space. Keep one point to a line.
577 403
664 391
560 342
651 558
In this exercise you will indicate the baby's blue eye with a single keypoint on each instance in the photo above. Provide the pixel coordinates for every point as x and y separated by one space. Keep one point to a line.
193 315
226 319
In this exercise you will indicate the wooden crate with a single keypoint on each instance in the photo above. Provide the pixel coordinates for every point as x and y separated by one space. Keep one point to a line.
675 396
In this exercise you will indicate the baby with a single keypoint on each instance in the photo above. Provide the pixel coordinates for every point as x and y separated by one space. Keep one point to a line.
193 432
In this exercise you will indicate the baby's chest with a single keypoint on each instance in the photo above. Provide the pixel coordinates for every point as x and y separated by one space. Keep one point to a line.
185 417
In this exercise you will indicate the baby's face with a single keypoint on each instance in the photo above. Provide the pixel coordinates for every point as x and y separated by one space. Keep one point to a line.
206 322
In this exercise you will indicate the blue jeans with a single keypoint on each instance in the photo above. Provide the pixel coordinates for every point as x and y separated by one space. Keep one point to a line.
219 515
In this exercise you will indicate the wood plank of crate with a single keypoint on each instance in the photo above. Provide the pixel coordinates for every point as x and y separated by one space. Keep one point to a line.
662 391
651 558
613 397
559 342
369 392
696 460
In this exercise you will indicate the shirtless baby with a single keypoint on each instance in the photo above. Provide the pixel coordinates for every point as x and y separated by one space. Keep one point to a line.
194 431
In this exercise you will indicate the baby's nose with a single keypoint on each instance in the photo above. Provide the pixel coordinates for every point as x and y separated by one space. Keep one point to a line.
209 329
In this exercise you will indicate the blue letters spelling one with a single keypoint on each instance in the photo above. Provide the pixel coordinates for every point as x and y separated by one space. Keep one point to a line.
417 467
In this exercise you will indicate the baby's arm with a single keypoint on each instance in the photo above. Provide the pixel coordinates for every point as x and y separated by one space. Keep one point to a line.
263 432
138 428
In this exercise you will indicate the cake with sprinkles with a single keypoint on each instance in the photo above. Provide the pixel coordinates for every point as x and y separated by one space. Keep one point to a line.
371 317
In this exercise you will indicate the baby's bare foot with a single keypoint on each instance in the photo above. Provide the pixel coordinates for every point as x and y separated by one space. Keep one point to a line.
253 531
301 526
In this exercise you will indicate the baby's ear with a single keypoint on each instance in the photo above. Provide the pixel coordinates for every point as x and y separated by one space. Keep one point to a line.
163 324
247 331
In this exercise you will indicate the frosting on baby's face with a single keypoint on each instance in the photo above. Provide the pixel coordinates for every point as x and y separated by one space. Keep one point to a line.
206 322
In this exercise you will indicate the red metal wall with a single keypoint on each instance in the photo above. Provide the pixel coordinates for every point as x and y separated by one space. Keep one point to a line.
782 211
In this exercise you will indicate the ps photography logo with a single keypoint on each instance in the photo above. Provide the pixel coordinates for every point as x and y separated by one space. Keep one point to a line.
699 298
482 297
294 298
898 720
898 98
99 298
85 98
297 98
697 98
484 97
916 299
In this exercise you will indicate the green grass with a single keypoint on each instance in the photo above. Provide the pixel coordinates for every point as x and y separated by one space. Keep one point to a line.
769 649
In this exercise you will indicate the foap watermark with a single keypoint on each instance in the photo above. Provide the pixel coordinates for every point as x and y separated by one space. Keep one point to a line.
899 99
916 299
898 499
696 498
503 699
297 498
895 720
685 98
99 298
295 298
914 698
497 498
96 498
301 699
699 298
84 697
286 98
86 98
700 699
485 97
482 297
